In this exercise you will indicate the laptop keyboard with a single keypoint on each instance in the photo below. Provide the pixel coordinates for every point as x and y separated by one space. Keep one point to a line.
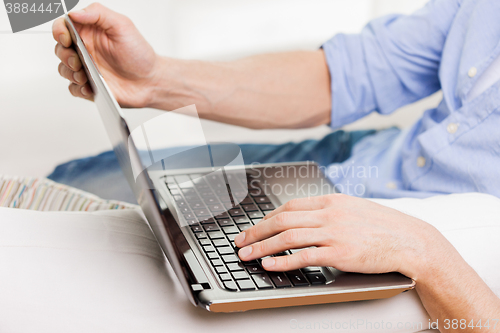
215 220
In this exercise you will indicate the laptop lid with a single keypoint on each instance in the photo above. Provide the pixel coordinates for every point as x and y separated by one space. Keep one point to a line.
166 230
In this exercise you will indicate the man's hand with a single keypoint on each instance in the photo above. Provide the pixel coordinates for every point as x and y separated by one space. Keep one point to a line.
350 234
125 59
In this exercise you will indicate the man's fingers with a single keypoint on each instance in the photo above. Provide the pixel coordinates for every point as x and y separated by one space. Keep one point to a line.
279 223
308 257
69 57
61 33
303 204
79 77
81 91
289 239
98 15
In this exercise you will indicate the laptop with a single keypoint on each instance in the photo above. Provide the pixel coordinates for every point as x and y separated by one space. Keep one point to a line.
195 211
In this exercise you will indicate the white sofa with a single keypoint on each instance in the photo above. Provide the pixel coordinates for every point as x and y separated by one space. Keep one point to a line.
104 272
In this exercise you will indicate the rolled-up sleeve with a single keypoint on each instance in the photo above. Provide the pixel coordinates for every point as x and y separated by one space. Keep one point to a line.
394 61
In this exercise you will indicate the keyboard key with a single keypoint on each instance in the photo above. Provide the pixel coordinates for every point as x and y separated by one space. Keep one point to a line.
215 234
256 192
262 281
223 215
196 205
233 267
245 284
217 208
201 235
236 212
310 269
211 227
181 203
192 198
192 222
217 262
202 212
221 242
244 227
230 258
316 278
231 237
241 219
239 275
225 250
225 222
208 221
205 242
255 215
230 285
246 201
231 230
250 208
189 216
297 278
208 248
267 206
189 191
279 279
225 277
254 269
220 269
196 228
211 200
213 255
262 200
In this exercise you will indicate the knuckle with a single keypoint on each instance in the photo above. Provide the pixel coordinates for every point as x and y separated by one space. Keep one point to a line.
307 256
290 236
281 220
292 204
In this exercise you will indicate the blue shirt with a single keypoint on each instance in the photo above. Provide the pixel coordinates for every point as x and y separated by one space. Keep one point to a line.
399 59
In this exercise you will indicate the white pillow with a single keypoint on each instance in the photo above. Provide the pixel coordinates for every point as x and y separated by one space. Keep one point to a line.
104 272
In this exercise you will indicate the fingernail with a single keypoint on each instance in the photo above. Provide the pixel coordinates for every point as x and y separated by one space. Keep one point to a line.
84 91
72 62
77 76
245 252
63 40
268 262
239 238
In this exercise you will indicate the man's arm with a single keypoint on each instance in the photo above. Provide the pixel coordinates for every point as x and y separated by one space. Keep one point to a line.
357 235
284 90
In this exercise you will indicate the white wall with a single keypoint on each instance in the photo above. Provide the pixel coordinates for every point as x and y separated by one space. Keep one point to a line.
41 125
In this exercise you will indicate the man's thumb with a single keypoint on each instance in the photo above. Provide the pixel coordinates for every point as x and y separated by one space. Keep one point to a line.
96 14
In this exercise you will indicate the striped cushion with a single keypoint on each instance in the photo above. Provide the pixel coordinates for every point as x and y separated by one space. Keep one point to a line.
45 195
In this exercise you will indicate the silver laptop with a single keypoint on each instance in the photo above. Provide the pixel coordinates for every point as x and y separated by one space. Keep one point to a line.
195 211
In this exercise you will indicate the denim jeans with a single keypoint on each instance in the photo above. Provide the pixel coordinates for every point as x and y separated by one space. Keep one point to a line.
101 174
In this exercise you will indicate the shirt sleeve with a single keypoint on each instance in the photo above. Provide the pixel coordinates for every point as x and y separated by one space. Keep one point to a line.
394 61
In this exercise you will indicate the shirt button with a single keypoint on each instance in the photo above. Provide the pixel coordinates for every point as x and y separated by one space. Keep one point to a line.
452 128
391 185
421 162
472 72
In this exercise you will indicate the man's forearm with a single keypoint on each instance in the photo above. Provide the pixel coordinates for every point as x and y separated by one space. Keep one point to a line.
285 90
453 293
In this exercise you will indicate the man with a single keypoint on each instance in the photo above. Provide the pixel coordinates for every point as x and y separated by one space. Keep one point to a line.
450 45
